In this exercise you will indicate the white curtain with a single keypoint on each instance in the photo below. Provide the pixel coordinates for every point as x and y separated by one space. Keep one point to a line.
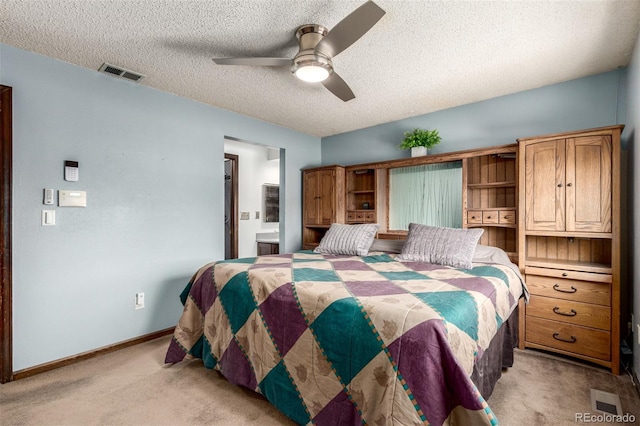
429 194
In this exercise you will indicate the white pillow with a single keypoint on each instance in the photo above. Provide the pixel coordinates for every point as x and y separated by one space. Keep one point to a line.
444 246
348 239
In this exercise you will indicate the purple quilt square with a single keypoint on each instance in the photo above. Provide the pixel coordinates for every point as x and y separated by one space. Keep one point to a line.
373 288
236 368
350 265
423 266
339 411
283 317
437 381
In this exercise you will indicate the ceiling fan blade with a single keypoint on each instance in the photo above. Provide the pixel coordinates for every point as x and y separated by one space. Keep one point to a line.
350 29
336 85
259 62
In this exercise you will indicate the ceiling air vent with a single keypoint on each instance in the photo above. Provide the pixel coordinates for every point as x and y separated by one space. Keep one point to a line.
120 72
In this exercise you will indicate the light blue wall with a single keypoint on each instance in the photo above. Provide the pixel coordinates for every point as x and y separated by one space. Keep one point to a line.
151 164
632 136
573 105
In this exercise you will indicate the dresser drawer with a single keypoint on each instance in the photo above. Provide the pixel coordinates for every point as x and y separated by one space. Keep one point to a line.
474 216
571 312
575 290
567 337
572 275
490 216
507 216
360 216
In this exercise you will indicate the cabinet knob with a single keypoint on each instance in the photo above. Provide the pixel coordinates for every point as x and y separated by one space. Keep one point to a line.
473 217
488 217
564 274
559 185
569 184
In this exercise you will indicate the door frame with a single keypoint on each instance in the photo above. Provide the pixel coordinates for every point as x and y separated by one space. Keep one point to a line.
6 144
234 204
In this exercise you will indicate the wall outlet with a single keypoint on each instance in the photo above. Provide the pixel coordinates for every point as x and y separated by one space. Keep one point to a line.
257 215
244 215
139 300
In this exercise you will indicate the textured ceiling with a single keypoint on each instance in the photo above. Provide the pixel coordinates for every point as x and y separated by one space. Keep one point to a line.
422 56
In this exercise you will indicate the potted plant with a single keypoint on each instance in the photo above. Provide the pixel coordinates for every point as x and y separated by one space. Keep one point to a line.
419 140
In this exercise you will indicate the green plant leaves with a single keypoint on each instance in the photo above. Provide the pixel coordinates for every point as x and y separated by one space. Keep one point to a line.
420 137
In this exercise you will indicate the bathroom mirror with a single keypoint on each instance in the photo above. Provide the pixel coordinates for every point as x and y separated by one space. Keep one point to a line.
271 202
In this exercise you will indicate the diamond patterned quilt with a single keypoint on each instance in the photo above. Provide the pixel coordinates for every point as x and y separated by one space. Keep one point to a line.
348 340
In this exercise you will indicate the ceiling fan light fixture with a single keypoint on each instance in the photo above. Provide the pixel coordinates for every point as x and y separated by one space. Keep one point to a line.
312 68
312 73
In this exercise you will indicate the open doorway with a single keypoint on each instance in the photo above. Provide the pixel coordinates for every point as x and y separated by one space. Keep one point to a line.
230 206
259 185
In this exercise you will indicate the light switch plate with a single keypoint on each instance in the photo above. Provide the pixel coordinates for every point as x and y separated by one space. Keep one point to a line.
48 217
139 300
244 215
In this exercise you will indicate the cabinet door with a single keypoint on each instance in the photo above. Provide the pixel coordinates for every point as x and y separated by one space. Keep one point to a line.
326 192
545 186
588 184
310 196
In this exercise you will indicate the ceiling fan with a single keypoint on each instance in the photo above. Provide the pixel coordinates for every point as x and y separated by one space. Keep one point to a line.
318 46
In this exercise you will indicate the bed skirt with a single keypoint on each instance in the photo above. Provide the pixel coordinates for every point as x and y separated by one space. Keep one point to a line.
498 356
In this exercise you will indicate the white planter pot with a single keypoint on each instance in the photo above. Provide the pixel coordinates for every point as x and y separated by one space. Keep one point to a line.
418 151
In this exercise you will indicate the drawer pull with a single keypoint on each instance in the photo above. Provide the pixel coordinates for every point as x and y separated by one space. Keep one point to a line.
572 340
556 287
473 217
564 274
573 313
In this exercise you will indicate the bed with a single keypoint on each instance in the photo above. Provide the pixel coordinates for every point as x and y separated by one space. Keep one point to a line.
356 339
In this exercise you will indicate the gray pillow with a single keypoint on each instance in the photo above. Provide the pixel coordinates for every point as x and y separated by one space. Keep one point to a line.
444 246
348 239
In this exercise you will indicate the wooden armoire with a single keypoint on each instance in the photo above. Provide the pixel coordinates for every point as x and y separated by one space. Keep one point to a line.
323 201
569 243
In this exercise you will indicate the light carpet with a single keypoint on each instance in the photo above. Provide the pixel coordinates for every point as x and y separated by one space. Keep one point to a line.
132 386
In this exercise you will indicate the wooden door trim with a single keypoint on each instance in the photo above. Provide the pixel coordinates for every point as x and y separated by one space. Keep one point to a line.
6 329
234 205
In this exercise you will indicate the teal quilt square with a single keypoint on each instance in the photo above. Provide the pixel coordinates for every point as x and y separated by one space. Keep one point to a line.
237 300
403 276
456 307
378 258
346 337
311 274
279 389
